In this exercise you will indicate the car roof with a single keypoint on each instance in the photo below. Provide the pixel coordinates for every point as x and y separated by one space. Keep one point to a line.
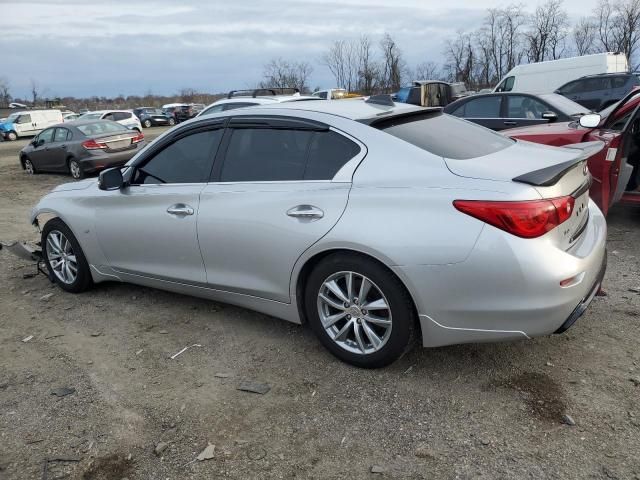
79 123
356 109
605 75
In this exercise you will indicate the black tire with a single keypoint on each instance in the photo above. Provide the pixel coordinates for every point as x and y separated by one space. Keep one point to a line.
26 161
404 326
75 169
146 123
12 136
172 122
83 279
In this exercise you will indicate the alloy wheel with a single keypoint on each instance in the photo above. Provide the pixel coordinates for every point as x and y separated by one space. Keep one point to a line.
74 168
354 312
62 258
28 167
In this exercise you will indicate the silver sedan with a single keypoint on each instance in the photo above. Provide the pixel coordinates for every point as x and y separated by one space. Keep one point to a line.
377 224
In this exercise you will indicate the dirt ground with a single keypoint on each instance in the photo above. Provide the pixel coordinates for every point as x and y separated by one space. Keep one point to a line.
489 411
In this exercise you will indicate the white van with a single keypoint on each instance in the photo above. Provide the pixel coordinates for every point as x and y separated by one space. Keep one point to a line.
547 77
28 123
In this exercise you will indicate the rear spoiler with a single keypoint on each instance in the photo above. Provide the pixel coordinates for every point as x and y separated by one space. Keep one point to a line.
546 177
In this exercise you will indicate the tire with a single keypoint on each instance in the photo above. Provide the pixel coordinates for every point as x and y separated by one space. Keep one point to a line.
56 228
75 169
146 124
12 136
394 327
172 122
28 166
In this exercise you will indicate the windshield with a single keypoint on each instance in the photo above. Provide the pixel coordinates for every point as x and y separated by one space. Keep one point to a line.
97 128
90 116
13 117
565 105
444 135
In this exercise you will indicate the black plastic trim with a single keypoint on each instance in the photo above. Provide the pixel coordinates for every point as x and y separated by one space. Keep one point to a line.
549 176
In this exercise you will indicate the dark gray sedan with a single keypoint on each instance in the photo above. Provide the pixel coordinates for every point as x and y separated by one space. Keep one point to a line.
81 147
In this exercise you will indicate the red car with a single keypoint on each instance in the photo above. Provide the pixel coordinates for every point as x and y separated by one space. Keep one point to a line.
614 168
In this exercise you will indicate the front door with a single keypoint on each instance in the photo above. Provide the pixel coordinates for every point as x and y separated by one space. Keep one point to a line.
523 111
40 155
149 228
274 194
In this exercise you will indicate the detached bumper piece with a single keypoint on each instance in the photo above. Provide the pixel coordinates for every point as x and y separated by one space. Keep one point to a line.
584 304
28 253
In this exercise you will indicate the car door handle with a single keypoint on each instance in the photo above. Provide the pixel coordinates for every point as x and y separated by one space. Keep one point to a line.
63 146
180 209
510 123
305 211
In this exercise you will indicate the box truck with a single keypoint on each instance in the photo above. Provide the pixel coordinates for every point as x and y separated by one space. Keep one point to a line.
547 77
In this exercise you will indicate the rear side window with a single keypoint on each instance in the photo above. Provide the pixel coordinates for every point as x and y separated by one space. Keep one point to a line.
61 135
445 136
618 82
187 160
487 107
121 115
264 154
97 128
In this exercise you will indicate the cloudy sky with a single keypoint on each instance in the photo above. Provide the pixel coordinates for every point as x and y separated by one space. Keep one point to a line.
111 47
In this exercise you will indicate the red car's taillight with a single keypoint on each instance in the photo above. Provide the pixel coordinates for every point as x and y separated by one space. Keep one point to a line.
138 138
91 144
526 219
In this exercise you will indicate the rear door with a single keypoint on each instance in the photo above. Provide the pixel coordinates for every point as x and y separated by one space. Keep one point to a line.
58 149
275 191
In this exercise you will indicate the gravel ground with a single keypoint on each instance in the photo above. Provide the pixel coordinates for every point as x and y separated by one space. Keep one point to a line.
489 411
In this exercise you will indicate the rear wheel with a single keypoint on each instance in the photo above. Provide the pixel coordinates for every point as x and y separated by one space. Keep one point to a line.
75 169
64 257
146 124
28 166
172 122
359 310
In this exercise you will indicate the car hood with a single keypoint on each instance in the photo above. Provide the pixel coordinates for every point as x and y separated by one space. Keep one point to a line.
6 125
519 159
559 133
81 185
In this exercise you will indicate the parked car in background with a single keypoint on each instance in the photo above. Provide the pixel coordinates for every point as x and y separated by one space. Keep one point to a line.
430 93
81 147
547 77
614 167
28 123
153 117
179 112
596 92
262 96
499 111
17 105
123 117
375 223
69 116
334 94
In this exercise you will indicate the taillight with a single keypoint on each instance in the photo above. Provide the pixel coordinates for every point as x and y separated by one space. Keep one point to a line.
138 138
91 144
526 219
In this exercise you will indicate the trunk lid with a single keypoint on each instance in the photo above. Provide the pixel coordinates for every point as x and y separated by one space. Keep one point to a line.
552 172
115 142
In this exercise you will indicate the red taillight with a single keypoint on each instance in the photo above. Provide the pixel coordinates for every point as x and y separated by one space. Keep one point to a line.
138 138
526 219
91 144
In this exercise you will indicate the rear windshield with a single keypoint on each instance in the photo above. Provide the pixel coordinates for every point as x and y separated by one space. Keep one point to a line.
444 135
97 128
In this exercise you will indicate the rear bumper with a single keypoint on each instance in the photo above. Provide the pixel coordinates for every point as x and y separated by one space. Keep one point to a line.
507 288
584 304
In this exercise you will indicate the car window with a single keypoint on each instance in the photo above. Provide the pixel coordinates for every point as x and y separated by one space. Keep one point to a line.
213 109
618 82
444 135
322 95
46 136
187 160
121 116
571 87
96 128
459 112
328 153
110 116
594 84
506 85
525 107
61 135
265 154
620 123
24 119
485 107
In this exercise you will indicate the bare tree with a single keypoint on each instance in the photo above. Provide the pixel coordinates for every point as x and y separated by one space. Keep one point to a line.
392 64
460 54
5 96
548 29
427 71
35 91
187 95
584 36
368 68
280 73
618 24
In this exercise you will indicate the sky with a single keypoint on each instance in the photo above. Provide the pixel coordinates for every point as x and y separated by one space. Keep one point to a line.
110 47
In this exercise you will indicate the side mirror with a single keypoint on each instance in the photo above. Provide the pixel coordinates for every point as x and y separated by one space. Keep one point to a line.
591 120
110 179
550 116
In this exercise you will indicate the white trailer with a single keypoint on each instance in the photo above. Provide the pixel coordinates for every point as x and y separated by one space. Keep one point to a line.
546 77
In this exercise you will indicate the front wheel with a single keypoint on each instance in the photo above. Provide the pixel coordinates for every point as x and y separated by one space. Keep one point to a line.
172 122
64 258
359 310
146 124
75 169
12 136
28 166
